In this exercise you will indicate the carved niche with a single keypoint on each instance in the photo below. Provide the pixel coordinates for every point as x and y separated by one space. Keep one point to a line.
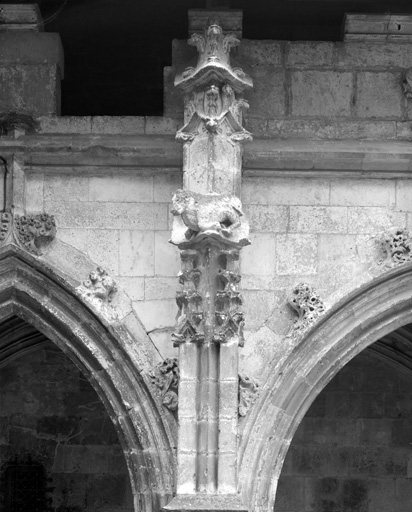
34 231
212 216
248 393
165 376
100 285
396 246
308 305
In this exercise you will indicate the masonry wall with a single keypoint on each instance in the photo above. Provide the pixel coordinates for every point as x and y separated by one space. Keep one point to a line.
50 414
352 450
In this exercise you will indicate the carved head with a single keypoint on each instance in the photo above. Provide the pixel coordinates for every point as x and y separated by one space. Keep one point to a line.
181 199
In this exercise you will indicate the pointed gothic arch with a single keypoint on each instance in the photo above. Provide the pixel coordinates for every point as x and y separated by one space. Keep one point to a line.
360 319
38 294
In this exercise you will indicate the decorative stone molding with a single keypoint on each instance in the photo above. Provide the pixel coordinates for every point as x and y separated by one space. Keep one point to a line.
6 221
212 107
248 393
213 63
198 217
407 83
35 231
308 305
166 377
229 317
396 245
100 285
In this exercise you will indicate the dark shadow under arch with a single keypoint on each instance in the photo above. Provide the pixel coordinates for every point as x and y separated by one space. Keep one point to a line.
365 316
39 295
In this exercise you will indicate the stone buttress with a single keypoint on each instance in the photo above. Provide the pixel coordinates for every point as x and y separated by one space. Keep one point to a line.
210 229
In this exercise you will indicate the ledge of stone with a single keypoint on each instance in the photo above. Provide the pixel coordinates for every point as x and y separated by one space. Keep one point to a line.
203 502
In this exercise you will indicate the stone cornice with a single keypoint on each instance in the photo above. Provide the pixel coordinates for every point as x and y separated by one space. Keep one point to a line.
160 153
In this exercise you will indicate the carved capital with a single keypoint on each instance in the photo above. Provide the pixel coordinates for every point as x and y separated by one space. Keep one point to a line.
34 231
213 63
215 217
396 246
248 393
100 285
308 305
165 376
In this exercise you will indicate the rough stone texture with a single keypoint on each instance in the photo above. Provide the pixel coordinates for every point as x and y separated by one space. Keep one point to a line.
348 453
62 424
379 95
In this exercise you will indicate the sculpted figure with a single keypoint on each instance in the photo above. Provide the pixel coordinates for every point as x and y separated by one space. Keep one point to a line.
207 213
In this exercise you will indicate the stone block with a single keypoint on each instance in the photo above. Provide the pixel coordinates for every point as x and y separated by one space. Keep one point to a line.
401 432
187 434
296 254
260 258
285 191
136 251
350 192
156 314
376 432
103 249
33 193
259 307
65 188
304 54
167 256
318 219
75 237
30 89
369 55
403 495
121 188
162 340
140 216
269 218
29 47
172 96
160 288
379 95
321 93
66 125
381 494
373 220
165 185
268 96
256 126
133 286
404 195
103 125
162 125
255 53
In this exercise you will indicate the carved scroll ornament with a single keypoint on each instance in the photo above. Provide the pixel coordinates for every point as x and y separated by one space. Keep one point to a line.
166 377
308 305
396 245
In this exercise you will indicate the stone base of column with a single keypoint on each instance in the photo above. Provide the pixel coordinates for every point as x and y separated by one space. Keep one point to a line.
205 502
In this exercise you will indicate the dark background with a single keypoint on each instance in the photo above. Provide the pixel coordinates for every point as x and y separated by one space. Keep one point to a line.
115 50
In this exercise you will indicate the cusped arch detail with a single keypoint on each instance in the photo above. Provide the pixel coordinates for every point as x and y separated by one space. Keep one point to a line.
363 317
42 296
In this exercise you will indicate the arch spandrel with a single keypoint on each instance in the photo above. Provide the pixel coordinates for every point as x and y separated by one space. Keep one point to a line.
363 317
41 295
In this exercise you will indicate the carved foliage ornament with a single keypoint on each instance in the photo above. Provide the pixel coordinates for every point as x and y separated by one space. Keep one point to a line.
396 245
166 377
308 305
35 231
248 393
214 216
100 285
213 63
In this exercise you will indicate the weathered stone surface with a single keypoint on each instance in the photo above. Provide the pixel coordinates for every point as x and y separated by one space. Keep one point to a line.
379 95
268 98
363 193
373 219
259 53
309 54
316 219
121 189
321 93
296 254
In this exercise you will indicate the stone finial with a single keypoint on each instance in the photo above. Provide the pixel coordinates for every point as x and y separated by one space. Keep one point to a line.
100 285
407 83
211 216
308 305
165 376
213 63
396 245
248 393
35 231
